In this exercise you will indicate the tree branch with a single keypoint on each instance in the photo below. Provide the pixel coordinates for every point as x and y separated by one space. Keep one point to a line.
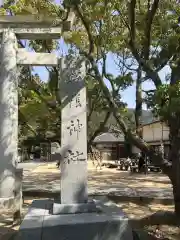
144 64
149 19
153 75
92 108
139 101
23 119
86 24
131 15
104 73
128 67
56 72
99 129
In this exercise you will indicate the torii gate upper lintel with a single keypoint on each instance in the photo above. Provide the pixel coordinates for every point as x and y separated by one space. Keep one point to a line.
31 27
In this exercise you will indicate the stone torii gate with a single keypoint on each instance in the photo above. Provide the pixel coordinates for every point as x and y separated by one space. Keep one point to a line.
11 28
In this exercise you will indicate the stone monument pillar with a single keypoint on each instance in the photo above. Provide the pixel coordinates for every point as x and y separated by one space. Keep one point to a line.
73 131
74 217
8 114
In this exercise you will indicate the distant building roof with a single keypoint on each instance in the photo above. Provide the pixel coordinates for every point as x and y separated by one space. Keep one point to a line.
152 121
108 138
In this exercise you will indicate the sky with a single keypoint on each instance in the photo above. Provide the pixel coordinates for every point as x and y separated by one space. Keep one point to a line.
128 95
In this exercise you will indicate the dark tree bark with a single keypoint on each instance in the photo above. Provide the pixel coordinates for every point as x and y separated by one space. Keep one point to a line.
174 157
174 154
99 129
138 108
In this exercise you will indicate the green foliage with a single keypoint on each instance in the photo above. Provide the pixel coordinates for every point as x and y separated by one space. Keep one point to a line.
36 7
167 101
124 81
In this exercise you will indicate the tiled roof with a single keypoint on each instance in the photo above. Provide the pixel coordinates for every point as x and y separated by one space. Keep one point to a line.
108 137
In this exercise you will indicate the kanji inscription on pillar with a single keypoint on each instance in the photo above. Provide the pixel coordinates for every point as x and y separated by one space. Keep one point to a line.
73 131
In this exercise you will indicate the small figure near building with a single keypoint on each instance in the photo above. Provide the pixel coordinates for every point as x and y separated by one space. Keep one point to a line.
141 163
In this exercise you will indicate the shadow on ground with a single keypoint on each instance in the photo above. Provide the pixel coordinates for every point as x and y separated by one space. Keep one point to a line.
104 182
8 230
160 225
152 221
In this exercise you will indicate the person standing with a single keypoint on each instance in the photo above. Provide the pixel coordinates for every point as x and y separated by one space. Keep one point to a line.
141 163
59 158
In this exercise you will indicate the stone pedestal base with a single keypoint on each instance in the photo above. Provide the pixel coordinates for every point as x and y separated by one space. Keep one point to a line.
89 207
109 224
13 205
6 204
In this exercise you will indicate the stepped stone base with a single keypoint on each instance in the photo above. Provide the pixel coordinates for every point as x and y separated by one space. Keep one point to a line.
6 203
13 204
89 207
40 224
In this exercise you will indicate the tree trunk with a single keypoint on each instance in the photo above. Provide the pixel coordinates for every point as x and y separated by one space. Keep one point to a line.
176 183
138 109
99 129
175 179
174 157
174 127
176 193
